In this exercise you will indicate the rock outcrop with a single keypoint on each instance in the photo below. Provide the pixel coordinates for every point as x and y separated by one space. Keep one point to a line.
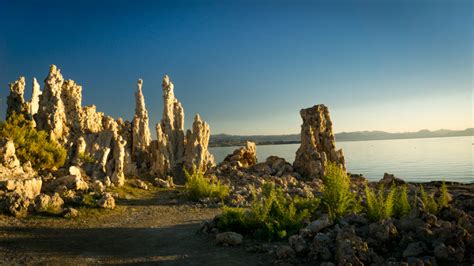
243 157
196 152
172 151
16 101
318 144
35 95
108 149
141 136
51 115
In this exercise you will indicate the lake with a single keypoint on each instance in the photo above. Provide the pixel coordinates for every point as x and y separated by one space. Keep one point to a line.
420 160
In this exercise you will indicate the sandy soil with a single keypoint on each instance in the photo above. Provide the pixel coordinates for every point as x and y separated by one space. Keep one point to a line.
158 227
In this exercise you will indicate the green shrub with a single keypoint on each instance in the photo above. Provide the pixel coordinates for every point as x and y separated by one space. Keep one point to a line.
402 205
32 145
271 216
337 196
380 205
198 186
429 201
433 205
87 158
444 197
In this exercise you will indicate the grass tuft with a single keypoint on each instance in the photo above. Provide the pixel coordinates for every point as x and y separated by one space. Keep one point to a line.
198 186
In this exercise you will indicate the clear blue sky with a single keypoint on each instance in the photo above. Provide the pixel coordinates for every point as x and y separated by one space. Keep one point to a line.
248 67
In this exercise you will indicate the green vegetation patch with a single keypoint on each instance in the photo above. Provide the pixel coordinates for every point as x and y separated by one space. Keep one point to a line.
32 145
199 186
271 216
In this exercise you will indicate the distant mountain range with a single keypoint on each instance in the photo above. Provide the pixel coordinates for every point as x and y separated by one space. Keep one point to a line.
235 140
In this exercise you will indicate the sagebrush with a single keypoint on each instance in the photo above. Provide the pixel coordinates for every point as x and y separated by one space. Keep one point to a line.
31 144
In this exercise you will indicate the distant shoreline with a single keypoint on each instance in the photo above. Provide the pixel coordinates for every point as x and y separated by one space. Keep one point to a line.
264 143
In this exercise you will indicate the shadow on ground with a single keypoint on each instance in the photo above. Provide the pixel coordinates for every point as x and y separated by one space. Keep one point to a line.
176 245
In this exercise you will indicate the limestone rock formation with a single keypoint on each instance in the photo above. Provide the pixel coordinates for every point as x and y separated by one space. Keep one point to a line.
15 101
318 144
118 178
244 156
172 151
141 136
172 122
51 116
197 141
35 94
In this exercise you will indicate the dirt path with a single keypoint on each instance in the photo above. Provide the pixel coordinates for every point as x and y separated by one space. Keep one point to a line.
155 229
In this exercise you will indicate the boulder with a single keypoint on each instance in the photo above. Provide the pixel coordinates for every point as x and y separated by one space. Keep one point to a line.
26 188
17 205
414 249
244 157
107 201
322 222
229 239
389 179
138 184
285 252
350 248
297 243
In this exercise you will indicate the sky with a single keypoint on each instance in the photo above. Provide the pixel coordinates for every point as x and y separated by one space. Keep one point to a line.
248 67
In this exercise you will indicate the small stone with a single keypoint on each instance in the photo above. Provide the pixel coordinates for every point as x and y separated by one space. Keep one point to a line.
138 184
297 243
98 187
321 223
414 249
284 252
229 238
71 213
106 202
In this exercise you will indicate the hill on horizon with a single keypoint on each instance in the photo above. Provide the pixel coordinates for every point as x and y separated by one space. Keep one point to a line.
236 140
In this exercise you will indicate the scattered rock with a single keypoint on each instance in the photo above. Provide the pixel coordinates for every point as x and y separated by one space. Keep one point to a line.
70 213
229 238
17 205
106 202
389 179
165 183
322 222
285 252
138 184
243 157
297 243
414 249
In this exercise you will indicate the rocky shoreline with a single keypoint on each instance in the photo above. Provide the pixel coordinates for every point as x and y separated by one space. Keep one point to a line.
104 156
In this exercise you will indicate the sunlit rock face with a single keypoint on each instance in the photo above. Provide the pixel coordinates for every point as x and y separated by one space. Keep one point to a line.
318 144
15 101
197 141
109 149
172 151
141 136
51 115
35 95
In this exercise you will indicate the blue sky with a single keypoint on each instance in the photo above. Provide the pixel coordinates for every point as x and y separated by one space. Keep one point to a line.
248 67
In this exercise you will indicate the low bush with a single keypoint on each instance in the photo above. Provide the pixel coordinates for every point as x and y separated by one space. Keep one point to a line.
429 201
32 145
271 216
380 205
402 205
337 196
198 186
87 158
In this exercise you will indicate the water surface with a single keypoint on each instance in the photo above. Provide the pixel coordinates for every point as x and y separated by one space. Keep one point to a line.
422 160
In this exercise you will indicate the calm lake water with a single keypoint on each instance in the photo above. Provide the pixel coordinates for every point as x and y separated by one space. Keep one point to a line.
451 159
